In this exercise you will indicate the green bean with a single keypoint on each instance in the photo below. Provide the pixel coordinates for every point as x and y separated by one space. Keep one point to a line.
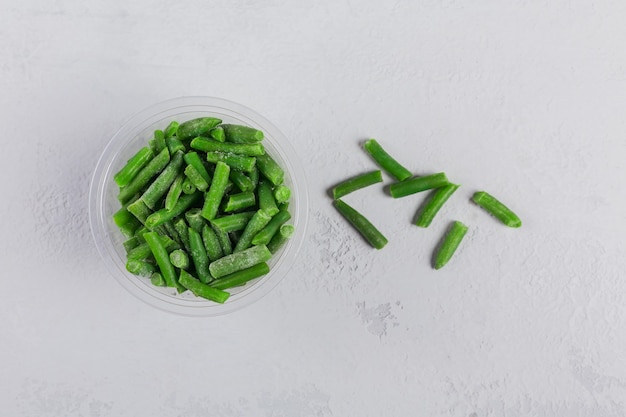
171 129
385 161
217 133
435 201
174 145
270 169
361 224
162 183
170 231
239 201
126 222
188 187
242 134
234 236
225 243
173 194
153 146
233 222
183 233
194 219
214 196
159 140
157 279
152 168
282 193
210 145
139 234
239 260
259 220
449 244
418 184
241 277
494 207
202 290
264 236
139 253
163 215
199 256
236 162
139 209
356 183
194 160
133 166
242 182
196 127
140 268
195 178
163 260
266 198
211 243
280 238
254 175
179 259
130 243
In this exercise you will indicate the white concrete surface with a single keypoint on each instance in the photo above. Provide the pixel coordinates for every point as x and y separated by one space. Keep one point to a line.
524 99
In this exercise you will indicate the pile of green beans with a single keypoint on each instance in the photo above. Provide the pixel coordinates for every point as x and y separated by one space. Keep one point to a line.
407 184
204 208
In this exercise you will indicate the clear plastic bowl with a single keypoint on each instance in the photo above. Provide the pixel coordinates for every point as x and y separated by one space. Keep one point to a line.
103 202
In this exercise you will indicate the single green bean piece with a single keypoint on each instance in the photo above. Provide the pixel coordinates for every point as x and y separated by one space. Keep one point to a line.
157 279
175 145
183 233
282 193
211 243
199 256
242 134
139 234
159 140
385 161
434 203
254 175
195 178
196 127
236 162
239 201
162 183
217 133
140 268
133 166
139 253
193 159
153 146
126 222
213 197
241 277
242 182
356 183
239 260
131 243
194 219
280 238
173 194
188 187
270 169
179 259
171 129
233 222
266 198
225 243
418 184
163 215
210 145
163 260
202 290
361 224
139 209
494 207
449 244
259 220
170 232
152 168
266 234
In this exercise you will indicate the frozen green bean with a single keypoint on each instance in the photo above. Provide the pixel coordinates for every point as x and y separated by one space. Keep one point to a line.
494 207
131 243
159 140
140 268
385 161
259 220
193 159
282 193
241 277
280 238
183 233
217 133
242 134
157 279
152 168
171 129
163 260
264 236
194 219
199 256
161 216
173 194
179 259
202 290
210 145
162 183
356 183
233 222
434 203
188 187
133 166
254 175
196 127
195 178
242 182
211 243
225 242
175 145
418 184
361 224
270 169
213 197
266 198
126 222
240 201
239 260
236 162
449 244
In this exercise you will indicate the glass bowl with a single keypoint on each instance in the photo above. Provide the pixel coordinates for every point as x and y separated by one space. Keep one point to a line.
132 136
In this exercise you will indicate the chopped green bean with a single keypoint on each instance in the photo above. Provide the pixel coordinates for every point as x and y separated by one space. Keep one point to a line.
361 224
163 215
183 233
214 196
259 220
172 234
266 198
188 187
193 159
159 140
195 178
133 166
199 256
194 219
157 279
175 145
239 260
173 194
449 244
217 133
196 127
242 134
131 243
280 238
126 222
152 168
210 145
282 193
140 268
139 253
241 277
202 290
162 183
163 260
434 203
236 162
266 234
385 161
418 184
179 259
356 183
242 182
171 129
254 176
211 243
233 222
270 169
139 209
225 243
494 207
239 201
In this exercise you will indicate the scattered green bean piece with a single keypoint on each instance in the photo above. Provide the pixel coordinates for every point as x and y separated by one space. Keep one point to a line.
154 167
241 277
270 169
225 243
217 133
266 198
171 129
199 256
195 178
175 145
173 194
385 161
131 243
126 222
239 260
233 222
259 220
361 224
163 260
179 259
254 176
133 166
211 243
194 219
496 208
139 253
242 134
242 182
418 184
196 127
202 290
282 193
266 234
163 215
159 140
356 183
162 183
157 279
280 238
188 187
193 159
139 209
434 203
214 196
210 145
141 268
236 162
183 233
449 243
239 201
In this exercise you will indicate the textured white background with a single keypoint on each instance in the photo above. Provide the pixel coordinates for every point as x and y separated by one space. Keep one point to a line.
525 99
